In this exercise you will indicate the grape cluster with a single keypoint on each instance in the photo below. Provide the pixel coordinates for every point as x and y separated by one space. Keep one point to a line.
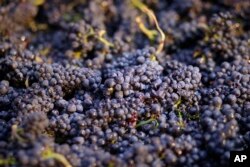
88 83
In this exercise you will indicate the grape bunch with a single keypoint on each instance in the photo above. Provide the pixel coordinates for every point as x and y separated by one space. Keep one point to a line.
123 83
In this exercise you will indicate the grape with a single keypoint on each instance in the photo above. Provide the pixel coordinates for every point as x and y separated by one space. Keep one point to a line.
84 83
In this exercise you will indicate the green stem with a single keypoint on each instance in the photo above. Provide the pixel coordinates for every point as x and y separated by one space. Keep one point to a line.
48 154
138 4
177 104
103 40
142 123
151 34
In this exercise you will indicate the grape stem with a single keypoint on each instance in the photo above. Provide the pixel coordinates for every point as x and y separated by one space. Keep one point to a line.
99 36
177 108
15 132
49 154
152 18
141 123
151 34
101 33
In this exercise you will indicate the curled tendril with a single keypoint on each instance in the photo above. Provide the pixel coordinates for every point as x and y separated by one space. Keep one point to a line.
98 35
151 34
153 19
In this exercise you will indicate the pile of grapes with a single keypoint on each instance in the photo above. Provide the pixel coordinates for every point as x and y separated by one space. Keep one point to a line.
123 83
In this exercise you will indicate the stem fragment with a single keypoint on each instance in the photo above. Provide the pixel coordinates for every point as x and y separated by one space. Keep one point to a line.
152 18
151 34
142 123
49 154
